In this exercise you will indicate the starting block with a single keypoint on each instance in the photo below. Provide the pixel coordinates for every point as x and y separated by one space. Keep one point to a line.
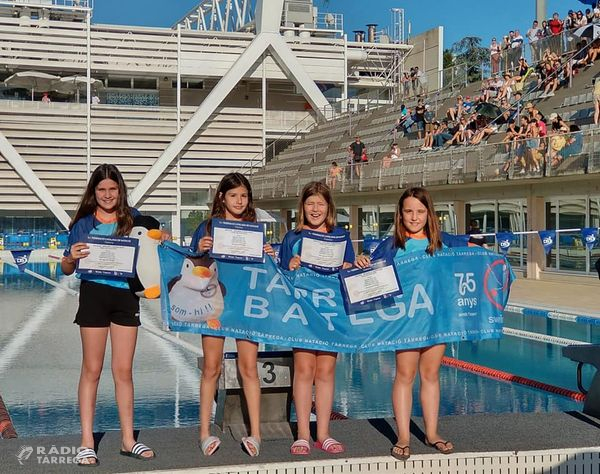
275 373
587 354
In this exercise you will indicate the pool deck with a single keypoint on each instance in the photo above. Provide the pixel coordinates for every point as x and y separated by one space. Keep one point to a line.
476 437
570 296
519 439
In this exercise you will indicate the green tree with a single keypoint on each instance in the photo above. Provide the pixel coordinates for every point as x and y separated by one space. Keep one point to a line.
448 58
469 51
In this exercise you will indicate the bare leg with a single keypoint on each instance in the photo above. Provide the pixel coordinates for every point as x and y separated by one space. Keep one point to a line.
429 371
305 364
406 370
212 347
93 343
247 353
324 388
123 341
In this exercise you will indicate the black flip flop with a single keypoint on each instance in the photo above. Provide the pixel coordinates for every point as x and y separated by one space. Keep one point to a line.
136 452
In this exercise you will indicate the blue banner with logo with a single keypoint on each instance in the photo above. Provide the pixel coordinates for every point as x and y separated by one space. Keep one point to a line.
505 240
457 295
589 236
548 237
21 258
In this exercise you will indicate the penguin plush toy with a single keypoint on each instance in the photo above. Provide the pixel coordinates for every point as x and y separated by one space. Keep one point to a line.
146 283
197 295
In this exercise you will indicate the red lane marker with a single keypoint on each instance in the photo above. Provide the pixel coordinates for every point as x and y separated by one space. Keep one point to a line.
501 375
54 257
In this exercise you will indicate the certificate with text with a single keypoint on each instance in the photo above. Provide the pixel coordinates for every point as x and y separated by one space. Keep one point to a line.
321 251
110 256
367 285
238 240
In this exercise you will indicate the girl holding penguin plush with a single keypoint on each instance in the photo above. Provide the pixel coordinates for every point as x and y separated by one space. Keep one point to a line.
233 201
107 306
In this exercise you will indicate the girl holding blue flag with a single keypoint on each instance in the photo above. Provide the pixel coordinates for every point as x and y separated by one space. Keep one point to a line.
106 306
316 212
233 201
416 230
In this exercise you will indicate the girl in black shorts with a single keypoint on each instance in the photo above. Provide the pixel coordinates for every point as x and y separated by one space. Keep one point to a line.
106 306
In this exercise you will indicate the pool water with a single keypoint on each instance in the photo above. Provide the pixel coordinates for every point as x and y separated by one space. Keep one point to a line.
40 358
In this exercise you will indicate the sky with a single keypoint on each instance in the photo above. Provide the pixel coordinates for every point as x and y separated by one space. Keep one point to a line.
460 18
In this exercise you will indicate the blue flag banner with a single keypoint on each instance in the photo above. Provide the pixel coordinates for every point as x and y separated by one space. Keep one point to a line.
21 258
548 237
457 295
589 236
505 240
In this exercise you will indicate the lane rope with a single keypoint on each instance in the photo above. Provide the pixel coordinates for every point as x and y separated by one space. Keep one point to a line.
508 377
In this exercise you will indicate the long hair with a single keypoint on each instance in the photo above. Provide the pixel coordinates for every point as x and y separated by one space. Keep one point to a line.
88 203
231 181
432 229
312 189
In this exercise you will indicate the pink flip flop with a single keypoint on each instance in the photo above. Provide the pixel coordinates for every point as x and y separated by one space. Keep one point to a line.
300 447
330 446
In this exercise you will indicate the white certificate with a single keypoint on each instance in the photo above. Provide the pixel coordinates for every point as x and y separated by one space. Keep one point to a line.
322 254
238 241
372 284
110 256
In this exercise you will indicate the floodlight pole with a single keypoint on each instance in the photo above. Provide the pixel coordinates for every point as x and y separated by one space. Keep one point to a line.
540 11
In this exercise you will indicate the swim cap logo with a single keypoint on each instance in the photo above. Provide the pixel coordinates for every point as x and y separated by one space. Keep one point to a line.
495 283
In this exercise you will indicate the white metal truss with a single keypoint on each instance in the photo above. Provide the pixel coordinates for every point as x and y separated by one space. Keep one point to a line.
30 178
218 15
268 40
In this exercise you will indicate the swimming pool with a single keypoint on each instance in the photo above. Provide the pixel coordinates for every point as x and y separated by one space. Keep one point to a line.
40 361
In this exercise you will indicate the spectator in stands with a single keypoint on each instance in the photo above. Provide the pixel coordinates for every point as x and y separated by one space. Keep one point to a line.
506 88
573 146
589 15
580 20
596 82
593 52
505 53
394 152
569 21
420 118
541 123
546 32
46 98
430 128
557 124
332 174
457 110
358 149
516 47
484 130
462 134
533 157
597 12
389 157
441 135
413 80
551 70
399 125
405 84
533 35
349 163
556 27
495 52
95 99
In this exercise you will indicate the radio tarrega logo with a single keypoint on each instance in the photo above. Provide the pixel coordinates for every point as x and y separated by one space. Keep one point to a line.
24 453
495 283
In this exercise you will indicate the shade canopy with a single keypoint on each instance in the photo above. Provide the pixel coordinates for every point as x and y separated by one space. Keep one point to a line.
73 84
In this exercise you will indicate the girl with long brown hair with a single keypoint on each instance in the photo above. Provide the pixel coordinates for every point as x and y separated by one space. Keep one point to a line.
106 307
233 201
316 212
416 230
